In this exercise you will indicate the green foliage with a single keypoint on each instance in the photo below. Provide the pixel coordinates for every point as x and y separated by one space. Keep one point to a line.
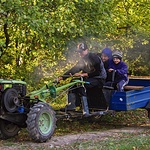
36 37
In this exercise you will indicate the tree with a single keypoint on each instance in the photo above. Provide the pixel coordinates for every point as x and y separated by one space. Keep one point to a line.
37 34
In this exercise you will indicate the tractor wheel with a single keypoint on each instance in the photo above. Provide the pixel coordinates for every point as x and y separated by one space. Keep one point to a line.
10 96
8 129
41 122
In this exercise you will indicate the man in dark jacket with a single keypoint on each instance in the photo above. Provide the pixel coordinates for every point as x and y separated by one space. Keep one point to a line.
91 68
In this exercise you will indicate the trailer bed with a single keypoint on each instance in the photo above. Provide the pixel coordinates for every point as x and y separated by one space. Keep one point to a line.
136 95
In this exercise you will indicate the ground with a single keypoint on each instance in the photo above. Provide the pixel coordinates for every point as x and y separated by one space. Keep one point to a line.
61 141
73 132
69 139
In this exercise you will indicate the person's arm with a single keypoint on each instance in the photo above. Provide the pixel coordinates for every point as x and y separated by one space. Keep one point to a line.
81 74
77 68
123 70
120 71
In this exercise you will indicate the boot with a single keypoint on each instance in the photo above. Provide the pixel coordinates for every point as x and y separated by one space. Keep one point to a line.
71 103
85 106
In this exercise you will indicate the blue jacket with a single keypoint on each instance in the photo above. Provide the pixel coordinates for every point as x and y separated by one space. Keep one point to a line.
121 70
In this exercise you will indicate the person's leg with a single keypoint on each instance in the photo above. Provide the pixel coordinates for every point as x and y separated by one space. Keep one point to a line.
84 101
71 100
85 106
94 82
121 85
109 83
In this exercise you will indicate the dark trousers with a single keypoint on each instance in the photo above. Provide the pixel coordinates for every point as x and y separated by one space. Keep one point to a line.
93 82
117 86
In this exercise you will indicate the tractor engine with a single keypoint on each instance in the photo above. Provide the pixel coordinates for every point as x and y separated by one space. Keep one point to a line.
10 96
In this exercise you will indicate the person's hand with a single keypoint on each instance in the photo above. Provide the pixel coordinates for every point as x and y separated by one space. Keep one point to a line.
110 70
77 74
59 78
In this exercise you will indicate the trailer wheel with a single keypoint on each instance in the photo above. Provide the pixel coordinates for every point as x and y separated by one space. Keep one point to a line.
41 122
8 129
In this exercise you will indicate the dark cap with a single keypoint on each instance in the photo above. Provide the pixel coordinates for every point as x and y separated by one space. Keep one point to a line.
81 47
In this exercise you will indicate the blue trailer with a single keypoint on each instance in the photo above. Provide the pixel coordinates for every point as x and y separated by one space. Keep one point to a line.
136 95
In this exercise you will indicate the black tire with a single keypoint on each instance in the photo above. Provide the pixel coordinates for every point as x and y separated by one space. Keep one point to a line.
8 99
41 122
8 129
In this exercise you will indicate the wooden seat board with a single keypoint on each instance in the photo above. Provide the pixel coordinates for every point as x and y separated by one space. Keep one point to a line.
128 87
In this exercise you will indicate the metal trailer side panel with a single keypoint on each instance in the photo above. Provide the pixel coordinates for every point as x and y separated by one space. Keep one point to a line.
130 100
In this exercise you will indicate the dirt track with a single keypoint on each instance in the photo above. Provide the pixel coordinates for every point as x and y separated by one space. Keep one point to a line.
60 141
69 139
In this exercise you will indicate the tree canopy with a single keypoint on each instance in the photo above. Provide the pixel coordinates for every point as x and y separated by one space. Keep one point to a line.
36 35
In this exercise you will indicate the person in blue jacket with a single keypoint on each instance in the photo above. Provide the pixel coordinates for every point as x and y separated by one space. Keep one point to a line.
121 70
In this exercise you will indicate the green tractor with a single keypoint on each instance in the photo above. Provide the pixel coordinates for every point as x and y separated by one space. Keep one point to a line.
19 110
31 111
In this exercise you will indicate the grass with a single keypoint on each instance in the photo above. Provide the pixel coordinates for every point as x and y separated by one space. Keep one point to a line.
124 141
132 142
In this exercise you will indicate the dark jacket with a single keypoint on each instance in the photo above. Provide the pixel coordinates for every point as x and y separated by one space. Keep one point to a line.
106 66
121 71
91 64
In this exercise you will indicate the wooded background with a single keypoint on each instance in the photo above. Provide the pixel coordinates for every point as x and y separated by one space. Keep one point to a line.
38 37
